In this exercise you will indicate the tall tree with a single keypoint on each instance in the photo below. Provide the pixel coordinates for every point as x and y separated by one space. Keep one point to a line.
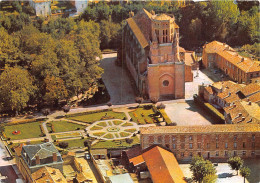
202 169
235 163
16 88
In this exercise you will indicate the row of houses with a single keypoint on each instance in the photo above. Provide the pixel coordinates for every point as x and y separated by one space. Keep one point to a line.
239 102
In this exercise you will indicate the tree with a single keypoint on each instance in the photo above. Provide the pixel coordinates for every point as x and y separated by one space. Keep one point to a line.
63 145
245 172
2 128
87 143
202 169
129 140
235 163
16 88
46 112
54 89
66 108
139 100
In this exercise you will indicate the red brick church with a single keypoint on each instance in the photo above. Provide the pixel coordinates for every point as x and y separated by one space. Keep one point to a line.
151 53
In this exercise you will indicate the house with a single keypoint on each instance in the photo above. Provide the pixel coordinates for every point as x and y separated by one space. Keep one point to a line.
99 153
41 7
151 52
210 141
79 5
48 174
222 56
30 158
126 178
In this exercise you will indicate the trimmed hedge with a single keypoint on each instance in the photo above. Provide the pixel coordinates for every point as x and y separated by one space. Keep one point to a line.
88 112
165 116
209 108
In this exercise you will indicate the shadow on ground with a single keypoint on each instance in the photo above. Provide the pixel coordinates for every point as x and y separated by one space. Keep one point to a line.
225 175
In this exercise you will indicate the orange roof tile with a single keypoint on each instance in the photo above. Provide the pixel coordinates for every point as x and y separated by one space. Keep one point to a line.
200 129
250 89
163 166
137 160
47 173
209 89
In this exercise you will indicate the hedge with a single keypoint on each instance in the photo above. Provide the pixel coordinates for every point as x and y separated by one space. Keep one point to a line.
85 113
209 108
165 116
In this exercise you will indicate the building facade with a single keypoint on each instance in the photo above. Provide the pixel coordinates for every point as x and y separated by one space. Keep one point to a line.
240 69
151 53
31 158
41 7
211 141
80 5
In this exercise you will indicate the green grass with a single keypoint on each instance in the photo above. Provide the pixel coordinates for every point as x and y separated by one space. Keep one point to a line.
96 128
139 118
14 145
109 136
104 124
115 144
116 134
65 126
116 122
99 134
124 134
28 130
75 143
90 118
68 135
132 130
110 123
127 124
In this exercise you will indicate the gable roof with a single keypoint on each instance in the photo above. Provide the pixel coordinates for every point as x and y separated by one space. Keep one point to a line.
45 174
137 160
137 32
163 166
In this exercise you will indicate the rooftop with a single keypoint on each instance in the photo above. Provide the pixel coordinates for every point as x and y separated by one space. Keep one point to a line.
126 178
45 174
201 129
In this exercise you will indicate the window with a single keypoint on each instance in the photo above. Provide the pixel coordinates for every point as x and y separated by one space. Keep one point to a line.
235 137
235 145
199 145
173 146
253 153
217 154
190 137
199 153
235 153
244 153
217 137
190 154
173 139
253 145
182 154
253 137
167 146
159 139
182 146
190 146
217 145
226 153
244 145
165 83
208 146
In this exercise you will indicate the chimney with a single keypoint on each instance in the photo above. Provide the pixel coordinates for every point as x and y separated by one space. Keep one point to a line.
43 174
239 114
242 60
37 160
243 118
249 103
54 156
152 12
54 172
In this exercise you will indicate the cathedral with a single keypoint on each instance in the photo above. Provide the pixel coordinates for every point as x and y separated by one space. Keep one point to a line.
152 55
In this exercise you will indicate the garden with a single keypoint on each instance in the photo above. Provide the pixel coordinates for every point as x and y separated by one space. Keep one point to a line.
23 131
97 116
146 114
63 126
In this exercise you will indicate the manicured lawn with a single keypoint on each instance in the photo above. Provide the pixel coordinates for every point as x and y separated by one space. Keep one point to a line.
143 116
104 124
90 118
68 135
65 126
109 136
110 123
116 122
116 135
14 145
99 134
110 144
124 134
96 128
132 130
75 143
28 130
127 124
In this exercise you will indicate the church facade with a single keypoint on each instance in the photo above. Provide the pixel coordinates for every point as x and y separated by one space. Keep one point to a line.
151 53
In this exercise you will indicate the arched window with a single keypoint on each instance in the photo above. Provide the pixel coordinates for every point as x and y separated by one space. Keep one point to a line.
165 83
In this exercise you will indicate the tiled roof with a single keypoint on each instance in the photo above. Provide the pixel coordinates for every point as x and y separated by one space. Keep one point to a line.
42 150
200 129
225 51
209 89
45 174
147 13
122 178
137 32
254 98
137 160
163 166
161 17
250 89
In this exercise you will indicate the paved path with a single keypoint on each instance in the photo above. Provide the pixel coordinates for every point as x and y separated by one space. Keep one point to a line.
117 81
